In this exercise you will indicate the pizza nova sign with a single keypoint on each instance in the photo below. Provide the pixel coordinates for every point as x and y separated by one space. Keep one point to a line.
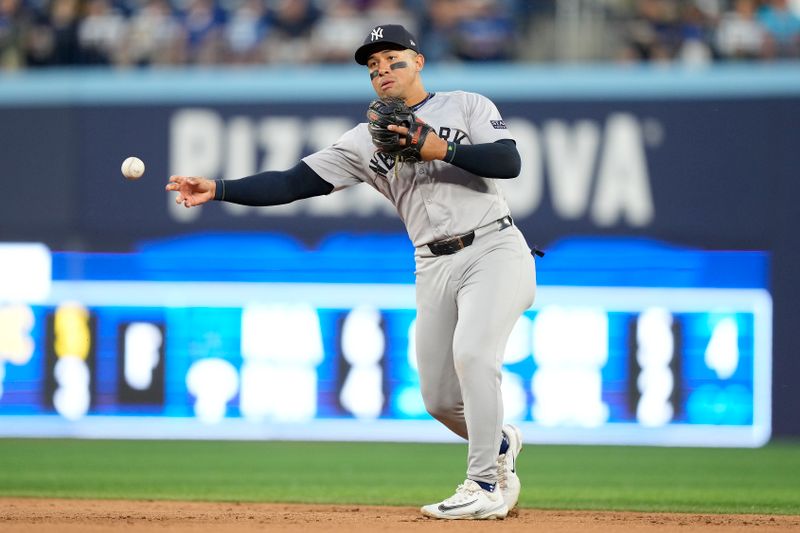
586 169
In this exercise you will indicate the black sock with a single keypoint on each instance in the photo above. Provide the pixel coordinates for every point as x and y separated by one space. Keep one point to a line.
504 444
489 487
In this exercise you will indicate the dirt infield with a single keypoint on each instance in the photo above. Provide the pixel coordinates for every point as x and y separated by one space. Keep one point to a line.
40 515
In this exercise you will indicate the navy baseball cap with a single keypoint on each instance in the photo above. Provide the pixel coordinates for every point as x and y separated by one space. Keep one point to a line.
386 37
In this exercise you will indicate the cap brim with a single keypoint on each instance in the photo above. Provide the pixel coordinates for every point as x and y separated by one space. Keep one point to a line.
366 50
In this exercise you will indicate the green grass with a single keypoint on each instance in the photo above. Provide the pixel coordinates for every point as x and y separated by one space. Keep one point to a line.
765 480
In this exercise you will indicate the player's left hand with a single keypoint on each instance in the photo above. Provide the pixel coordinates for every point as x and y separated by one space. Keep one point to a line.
395 129
433 148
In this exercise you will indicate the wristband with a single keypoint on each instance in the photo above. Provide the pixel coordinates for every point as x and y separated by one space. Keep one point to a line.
451 152
219 192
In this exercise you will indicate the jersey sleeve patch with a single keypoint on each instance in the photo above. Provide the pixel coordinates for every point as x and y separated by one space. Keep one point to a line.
498 124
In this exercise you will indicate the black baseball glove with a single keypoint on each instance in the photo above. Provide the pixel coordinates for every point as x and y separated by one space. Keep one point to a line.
387 111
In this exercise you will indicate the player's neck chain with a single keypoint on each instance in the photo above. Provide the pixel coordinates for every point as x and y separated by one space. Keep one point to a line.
422 103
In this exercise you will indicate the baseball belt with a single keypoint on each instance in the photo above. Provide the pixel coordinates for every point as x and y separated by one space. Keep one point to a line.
451 246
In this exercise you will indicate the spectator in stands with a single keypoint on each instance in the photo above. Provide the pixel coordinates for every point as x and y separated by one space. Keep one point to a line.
15 19
739 34
291 22
485 32
338 32
438 30
154 37
696 36
204 22
653 33
101 33
394 11
63 22
246 32
782 29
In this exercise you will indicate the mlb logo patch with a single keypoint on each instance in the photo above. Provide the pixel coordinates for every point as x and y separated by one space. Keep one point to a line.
498 124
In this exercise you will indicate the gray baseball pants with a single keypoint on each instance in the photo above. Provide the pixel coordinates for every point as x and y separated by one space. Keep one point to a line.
467 305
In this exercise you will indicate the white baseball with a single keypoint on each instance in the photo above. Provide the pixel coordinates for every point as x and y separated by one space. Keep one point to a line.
133 168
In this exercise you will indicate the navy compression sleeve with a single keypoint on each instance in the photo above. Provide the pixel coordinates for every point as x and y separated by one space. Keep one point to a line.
499 159
273 187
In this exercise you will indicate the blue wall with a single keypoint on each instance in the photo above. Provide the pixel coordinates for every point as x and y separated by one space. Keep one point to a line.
705 158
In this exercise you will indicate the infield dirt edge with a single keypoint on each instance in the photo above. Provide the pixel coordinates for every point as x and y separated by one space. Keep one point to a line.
29 515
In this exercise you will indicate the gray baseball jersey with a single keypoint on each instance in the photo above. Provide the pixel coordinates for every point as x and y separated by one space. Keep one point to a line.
435 200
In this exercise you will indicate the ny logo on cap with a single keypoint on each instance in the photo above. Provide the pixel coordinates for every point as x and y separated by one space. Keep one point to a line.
377 33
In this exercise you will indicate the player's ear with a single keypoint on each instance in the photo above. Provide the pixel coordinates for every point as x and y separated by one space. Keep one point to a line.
419 61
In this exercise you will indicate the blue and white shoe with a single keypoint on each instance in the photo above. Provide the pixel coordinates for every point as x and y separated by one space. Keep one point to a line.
470 502
507 478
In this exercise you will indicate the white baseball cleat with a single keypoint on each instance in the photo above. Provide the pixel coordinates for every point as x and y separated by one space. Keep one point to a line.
470 502
507 478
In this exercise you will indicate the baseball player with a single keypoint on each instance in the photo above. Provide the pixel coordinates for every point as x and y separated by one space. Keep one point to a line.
438 158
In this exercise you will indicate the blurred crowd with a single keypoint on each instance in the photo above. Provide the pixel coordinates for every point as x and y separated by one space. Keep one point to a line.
704 30
138 33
